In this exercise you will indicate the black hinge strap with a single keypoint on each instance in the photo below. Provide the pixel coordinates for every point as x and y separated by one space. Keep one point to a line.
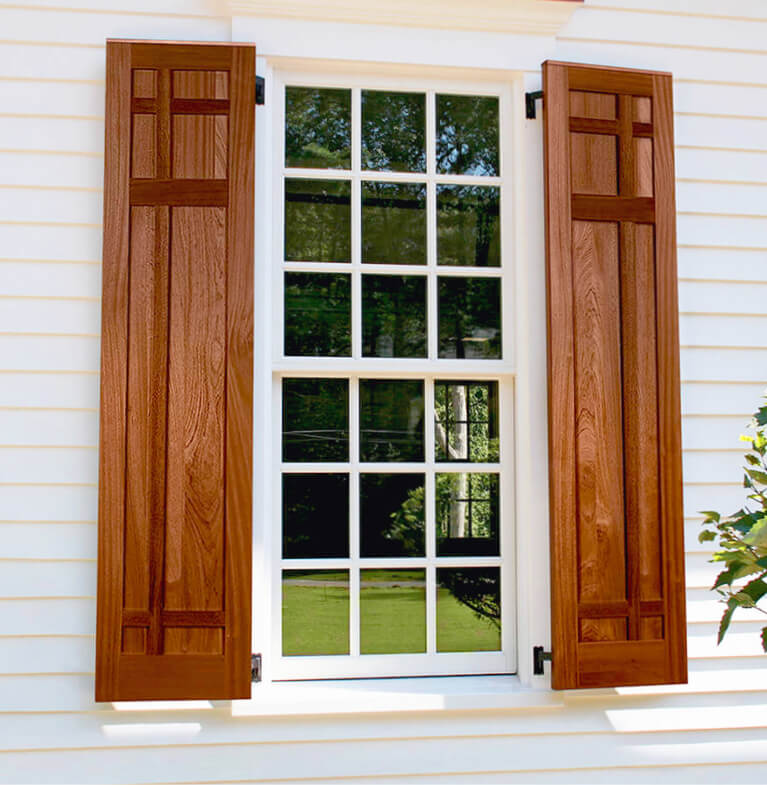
530 99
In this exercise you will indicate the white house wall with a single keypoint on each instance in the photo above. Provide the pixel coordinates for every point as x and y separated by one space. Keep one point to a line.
51 156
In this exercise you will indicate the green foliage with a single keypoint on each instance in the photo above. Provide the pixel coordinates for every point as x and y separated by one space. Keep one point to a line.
742 536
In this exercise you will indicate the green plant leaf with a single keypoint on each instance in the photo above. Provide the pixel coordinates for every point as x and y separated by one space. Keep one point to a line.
757 536
760 477
753 459
711 515
706 535
756 589
723 579
761 416
764 639
725 622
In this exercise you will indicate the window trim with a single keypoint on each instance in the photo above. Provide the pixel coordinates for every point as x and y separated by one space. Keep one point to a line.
269 235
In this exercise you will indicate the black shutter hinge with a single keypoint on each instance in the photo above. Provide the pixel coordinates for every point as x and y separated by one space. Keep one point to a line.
530 99
255 667
260 91
539 657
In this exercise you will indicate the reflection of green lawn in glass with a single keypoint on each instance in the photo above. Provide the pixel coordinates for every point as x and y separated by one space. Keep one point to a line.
315 619
460 629
392 617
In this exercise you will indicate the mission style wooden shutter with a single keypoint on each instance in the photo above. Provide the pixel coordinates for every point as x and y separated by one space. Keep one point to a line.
617 555
174 557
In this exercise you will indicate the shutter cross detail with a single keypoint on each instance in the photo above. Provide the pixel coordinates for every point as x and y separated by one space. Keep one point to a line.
176 397
614 411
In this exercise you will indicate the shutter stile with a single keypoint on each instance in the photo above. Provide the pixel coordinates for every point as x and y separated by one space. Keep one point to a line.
174 588
617 554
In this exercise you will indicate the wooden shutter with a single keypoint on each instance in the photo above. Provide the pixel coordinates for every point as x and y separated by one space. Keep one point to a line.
176 373
617 555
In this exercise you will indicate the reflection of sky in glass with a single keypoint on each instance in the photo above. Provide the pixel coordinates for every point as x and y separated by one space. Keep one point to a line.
318 127
467 135
393 131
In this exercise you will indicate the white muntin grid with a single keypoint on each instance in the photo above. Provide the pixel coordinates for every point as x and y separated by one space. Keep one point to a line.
428 370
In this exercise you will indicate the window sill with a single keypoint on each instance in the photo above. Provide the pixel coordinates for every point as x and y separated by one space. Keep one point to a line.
372 696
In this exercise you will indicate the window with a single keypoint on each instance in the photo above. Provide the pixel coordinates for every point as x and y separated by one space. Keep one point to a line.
392 527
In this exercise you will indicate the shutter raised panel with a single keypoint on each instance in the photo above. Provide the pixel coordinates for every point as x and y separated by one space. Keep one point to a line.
617 554
174 561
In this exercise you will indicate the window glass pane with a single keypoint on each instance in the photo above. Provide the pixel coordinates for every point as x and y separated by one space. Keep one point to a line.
317 220
391 515
469 317
393 131
391 420
392 611
318 127
315 517
466 421
467 514
315 420
315 612
318 315
467 135
468 609
393 316
393 223
468 226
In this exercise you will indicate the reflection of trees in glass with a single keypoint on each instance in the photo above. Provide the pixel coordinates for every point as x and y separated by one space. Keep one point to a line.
467 135
391 515
469 317
406 525
315 516
391 420
467 514
479 588
317 220
318 315
466 421
315 420
318 127
393 316
468 226
393 131
393 223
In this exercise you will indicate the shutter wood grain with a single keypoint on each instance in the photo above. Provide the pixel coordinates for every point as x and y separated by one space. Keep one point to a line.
617 558
174 556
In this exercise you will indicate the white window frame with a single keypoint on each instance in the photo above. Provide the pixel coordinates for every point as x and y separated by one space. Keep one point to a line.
431 663
523 349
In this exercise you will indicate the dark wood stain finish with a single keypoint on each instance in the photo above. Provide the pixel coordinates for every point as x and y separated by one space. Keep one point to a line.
618 603
174 589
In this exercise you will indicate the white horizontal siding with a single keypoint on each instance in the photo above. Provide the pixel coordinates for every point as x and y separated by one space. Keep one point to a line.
50 170
51 158
725 399
73 26
52 540
44 502
50 206
46 390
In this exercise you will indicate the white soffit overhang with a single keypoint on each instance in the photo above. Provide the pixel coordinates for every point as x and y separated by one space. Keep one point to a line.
532 17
